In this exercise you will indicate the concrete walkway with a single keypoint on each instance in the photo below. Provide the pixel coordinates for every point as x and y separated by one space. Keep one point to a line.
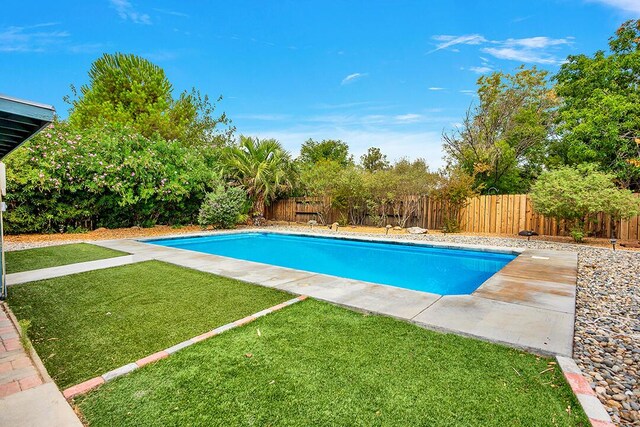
529 304
28 396
65 270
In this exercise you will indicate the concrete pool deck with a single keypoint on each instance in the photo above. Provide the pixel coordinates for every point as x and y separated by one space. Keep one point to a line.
529 304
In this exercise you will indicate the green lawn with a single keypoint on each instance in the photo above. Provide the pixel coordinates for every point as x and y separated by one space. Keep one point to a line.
52 256
314 364
86 324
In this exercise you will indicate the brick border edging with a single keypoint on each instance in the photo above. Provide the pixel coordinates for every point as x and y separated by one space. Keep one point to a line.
92 383
597 414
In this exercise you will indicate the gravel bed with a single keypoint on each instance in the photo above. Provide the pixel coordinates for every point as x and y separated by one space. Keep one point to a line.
18 246
607 328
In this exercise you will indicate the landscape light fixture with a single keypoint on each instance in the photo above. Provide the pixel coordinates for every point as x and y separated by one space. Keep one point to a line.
613 243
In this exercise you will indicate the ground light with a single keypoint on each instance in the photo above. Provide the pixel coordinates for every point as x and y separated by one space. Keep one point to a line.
20 120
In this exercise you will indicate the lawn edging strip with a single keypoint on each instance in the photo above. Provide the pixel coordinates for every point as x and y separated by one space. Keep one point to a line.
597 414
92 383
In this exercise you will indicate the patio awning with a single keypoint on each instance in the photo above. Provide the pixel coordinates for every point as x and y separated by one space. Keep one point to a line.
20 120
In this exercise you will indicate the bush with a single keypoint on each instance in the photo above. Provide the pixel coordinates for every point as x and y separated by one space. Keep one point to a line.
223 208
576 194
110 176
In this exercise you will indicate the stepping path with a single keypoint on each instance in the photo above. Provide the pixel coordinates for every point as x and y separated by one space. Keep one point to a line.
66 270
28 396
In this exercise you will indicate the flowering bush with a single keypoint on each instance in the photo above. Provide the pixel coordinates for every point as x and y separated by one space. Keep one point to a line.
109 176
223 208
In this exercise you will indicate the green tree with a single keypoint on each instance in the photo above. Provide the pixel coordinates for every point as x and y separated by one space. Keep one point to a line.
454 187
320 180
599 120
373 160
262 167
129 90
575 194
327 149
502 140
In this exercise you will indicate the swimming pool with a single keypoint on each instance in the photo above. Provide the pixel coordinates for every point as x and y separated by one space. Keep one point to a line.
419 267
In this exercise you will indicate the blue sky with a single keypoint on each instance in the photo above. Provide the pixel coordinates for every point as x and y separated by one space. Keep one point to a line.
391 74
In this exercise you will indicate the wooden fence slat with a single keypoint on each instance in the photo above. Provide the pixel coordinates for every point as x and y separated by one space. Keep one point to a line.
496 214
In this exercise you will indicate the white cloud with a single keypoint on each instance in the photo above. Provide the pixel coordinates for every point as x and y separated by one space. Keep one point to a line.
436 88
537 42
481 70
172 12
352 78
540 49
448 41
126 11
408 118
522 55
31 38
632 6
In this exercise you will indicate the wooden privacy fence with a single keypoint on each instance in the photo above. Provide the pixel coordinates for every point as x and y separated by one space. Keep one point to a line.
499 214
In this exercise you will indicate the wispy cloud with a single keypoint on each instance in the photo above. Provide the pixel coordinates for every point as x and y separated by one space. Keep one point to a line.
126 11
447 41
263 117
469 92
539 50
435 88
34 38
481 70
632 6
171 12
408 118
352 78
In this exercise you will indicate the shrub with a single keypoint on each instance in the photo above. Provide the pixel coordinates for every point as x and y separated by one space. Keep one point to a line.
223 208
576 194
67 179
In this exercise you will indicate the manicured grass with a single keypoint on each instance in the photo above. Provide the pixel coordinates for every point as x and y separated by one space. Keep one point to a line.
87 324
314 364
53 256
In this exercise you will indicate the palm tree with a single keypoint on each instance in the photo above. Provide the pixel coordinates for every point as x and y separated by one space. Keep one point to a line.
262 167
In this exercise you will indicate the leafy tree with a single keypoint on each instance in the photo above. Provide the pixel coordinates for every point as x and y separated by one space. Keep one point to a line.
319 180
328 149
502 140
599 120
262 167
373 160
223 207
351 195
577 193
454 187
130 90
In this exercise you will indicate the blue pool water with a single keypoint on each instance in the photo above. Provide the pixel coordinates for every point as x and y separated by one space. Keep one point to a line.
417 267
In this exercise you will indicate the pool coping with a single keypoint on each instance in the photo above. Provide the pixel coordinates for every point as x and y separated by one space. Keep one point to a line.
529 304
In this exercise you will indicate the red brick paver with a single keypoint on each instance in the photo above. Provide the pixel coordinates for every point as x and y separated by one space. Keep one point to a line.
83 387
579 384
152 358
18 371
